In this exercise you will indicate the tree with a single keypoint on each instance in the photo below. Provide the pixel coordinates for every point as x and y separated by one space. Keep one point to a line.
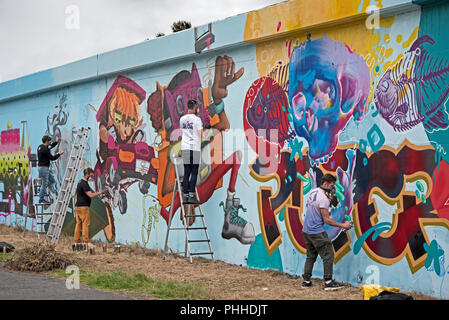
160 34
180 25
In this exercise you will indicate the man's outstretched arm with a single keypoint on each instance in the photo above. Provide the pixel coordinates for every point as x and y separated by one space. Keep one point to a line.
329 221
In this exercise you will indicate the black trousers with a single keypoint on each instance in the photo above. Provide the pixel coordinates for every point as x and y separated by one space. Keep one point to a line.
191 160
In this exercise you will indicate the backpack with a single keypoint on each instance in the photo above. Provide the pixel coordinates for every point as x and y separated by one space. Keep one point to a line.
387 295
9 247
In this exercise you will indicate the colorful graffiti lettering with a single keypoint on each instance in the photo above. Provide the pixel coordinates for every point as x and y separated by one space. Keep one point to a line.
14 171
406 236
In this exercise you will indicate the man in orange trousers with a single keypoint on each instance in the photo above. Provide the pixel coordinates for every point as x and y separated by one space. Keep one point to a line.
84 194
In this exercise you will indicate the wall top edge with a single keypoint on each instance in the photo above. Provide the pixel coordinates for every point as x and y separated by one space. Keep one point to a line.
227 33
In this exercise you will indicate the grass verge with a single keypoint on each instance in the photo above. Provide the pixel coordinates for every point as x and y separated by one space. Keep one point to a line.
140 284
5 257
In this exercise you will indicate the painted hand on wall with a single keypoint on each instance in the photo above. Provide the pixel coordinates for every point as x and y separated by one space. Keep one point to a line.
224 76
328 84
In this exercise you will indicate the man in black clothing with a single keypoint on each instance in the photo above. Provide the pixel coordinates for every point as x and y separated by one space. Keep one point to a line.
82 205
44 157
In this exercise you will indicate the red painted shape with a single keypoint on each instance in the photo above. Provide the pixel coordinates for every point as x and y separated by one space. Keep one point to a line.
441 185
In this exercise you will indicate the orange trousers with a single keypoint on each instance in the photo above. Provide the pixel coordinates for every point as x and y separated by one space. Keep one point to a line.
82 224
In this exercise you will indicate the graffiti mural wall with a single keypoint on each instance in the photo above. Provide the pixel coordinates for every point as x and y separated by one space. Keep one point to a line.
365 103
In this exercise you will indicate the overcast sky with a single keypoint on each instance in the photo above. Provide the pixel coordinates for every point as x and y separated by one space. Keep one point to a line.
40 34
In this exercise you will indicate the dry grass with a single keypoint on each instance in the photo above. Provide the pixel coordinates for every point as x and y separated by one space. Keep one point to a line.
221 280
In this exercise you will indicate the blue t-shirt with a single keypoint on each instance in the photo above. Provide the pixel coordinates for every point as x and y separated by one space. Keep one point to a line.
313 222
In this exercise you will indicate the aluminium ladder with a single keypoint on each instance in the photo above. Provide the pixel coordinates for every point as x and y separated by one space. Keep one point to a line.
65 194
177 191
35 210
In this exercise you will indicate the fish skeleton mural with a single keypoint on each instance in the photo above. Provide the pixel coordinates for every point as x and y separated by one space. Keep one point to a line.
415 90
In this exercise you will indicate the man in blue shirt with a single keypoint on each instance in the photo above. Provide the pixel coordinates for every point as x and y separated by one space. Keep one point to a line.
316 238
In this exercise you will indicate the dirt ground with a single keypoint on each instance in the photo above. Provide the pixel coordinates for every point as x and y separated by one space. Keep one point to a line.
223 281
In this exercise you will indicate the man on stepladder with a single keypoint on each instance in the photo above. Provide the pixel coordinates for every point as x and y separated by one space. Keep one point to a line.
82 205
316 239
44 157
191 126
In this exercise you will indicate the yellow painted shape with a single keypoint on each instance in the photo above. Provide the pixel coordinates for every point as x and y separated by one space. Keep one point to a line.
388 52
390 64
204 172
298 14
412 38
370 290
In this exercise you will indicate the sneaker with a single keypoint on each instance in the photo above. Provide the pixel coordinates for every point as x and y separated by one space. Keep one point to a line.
235 226
186 200
333 285
306 284
43 201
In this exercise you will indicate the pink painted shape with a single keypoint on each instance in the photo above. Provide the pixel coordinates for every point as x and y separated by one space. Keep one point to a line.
289 48
279 26
208 40
10 148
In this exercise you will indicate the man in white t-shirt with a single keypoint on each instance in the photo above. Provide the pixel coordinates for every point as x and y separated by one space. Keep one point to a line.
316 239
191 126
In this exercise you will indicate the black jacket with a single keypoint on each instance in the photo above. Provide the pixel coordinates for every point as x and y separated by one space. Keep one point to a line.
44 155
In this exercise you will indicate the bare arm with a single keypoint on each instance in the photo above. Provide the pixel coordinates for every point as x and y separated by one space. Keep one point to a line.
329 221
93 194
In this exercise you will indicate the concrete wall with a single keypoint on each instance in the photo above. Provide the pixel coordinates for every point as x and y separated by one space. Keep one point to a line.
325 87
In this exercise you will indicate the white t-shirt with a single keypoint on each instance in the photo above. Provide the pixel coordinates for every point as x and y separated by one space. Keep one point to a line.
191 125
313 222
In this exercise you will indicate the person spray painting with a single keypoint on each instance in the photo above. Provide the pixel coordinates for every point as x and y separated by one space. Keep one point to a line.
191 127
44 158
84 194
315 236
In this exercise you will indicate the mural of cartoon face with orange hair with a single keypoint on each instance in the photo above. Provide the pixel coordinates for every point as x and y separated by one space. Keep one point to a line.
123 158
119 114
124 113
